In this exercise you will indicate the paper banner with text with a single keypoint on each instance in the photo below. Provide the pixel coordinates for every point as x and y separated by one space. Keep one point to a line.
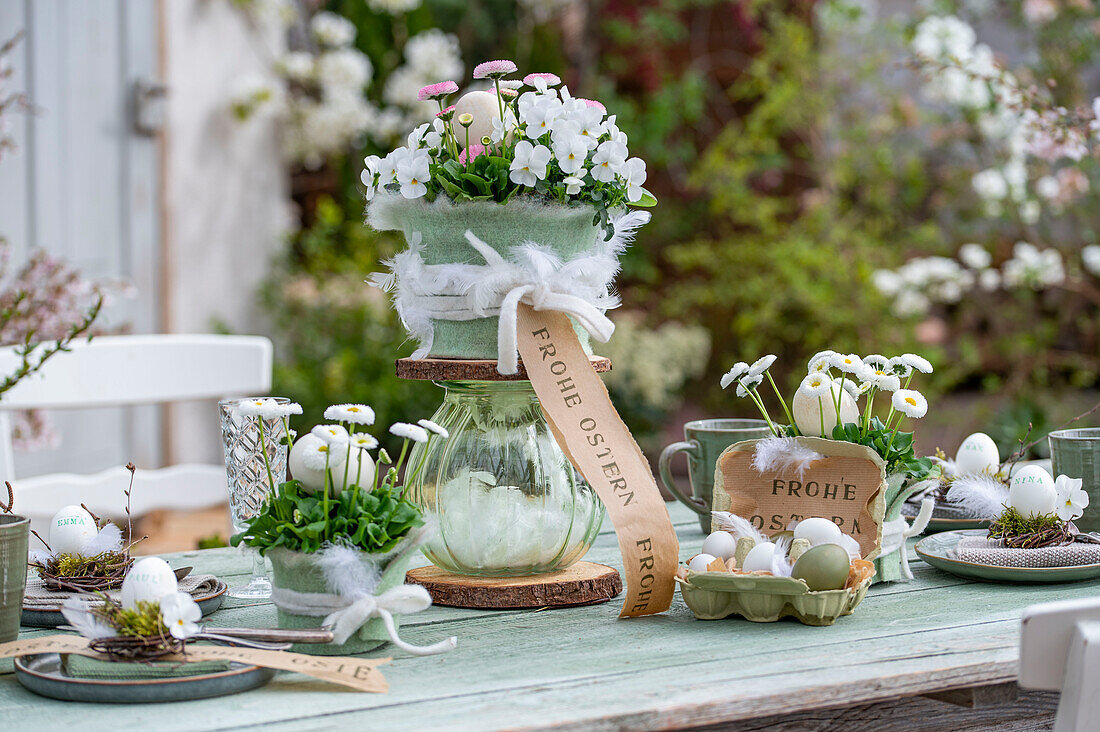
847 486
358 673
600 446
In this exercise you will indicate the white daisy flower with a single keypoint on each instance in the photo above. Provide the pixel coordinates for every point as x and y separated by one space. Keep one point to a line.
413 432
854 388
920 363
738 371
354 413
816 385
1072 498
433 427
849 363
332 434
821 363
267 408
363 441
316 454
875 361
761 365
880 379
910 403
748 384
898 367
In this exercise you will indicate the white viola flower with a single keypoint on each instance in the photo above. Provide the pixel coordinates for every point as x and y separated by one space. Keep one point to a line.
415 140
608 161
540 117
434 137
920 363
735 374
363 441
975 256
613 131
413 432
181 614
353 413
502 128
387 171
413 174
633 173
331 434
1072 498
529 165
761 365
910 403
590 121
574 184
816 385
571 153
1090 258
849 363
318 453
78 612
369 176
748 384
434 428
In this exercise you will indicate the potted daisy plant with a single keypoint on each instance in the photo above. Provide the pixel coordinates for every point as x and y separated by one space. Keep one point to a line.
340 533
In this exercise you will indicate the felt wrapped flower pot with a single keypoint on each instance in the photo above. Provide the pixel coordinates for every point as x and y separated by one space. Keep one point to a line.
470 263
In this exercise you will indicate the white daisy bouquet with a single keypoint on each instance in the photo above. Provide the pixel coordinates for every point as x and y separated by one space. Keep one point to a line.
828 403
528 138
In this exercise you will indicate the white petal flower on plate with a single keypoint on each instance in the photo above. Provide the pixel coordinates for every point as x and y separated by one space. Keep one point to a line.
331 434
761 365
413 432
571 152
734 374
910 403
1072 498
354 413
529 165
434 428
920 363
413 174
181 614
608 161
633 173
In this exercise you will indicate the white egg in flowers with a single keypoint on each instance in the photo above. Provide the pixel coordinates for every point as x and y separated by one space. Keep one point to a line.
313 480
1032 492
147 581
70 529
977 454
720 544
812 412
759 558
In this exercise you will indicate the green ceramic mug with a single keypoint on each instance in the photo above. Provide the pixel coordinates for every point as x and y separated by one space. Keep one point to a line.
14 533
1076 453
704 441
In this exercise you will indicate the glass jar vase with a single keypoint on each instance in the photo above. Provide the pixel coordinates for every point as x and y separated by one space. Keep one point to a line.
506 498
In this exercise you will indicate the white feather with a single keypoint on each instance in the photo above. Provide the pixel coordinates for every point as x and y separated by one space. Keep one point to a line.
345 573
979 495
738 526
109 539
781 565
77 610
783 454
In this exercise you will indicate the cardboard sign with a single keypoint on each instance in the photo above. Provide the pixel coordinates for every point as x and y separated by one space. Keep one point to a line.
599 445
847 486
361 674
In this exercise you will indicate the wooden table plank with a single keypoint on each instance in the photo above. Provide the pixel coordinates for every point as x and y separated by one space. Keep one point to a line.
584 667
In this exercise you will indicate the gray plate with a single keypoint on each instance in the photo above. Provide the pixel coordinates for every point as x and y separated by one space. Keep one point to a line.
933 550
42 618
42 674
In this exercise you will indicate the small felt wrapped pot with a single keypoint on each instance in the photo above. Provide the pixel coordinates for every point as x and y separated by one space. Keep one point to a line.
14 533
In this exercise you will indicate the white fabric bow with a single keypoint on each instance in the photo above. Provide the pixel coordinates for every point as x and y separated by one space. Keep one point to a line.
894 534
401 600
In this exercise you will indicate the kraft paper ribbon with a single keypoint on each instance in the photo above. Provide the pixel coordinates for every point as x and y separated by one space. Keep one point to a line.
600 446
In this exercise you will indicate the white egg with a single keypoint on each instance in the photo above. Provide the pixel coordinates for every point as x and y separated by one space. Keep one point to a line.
720 544
147 581
818 531
1032 492
359 460
759 558
70 528
699 562
311 479
977 453
809 412
484 107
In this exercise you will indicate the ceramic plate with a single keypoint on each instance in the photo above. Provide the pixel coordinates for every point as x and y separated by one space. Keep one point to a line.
933 550
42 674
42 618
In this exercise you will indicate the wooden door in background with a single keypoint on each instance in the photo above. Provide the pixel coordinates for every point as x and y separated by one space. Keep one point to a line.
84 184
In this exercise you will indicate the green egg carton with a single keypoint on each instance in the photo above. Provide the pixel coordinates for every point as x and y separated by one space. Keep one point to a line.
765 598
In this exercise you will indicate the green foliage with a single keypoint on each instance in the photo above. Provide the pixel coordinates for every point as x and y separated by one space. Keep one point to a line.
1012 523
896 448
142 621
372 521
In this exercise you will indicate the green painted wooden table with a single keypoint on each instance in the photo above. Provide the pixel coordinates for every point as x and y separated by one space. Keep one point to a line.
584 667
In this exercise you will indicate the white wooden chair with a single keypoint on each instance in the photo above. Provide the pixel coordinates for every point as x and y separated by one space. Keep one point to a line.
1060 649
126 371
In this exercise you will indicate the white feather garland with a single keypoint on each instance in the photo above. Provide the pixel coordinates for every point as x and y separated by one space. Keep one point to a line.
783 454
979 495
738 526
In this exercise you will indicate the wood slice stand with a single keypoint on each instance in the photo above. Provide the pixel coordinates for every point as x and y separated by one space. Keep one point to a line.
448 369
584 583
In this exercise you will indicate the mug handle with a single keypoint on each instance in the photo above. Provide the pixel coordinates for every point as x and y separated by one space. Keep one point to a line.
664 467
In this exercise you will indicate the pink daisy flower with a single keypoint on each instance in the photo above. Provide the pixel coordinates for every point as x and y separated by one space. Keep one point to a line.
506 92
547 78
594 103
446 114
475 149
437 91
494 69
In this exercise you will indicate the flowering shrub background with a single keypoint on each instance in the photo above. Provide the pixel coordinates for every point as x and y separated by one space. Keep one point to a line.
918 177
